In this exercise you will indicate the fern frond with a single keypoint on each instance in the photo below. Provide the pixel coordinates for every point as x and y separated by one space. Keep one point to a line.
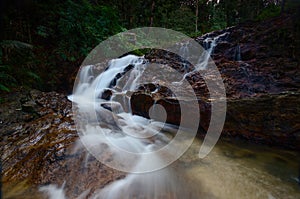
4 77
14 44
4 88
33 75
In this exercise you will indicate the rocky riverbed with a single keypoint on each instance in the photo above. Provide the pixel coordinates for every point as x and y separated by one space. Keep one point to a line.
39 146
261 73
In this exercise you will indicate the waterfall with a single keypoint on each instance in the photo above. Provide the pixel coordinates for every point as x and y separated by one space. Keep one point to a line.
92 87
209 45
106 126
105 122
184 51
237 53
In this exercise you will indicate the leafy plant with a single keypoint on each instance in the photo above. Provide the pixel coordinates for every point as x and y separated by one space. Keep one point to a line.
182 20
16 65
269 12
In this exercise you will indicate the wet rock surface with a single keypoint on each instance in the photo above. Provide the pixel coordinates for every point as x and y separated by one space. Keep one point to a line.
259 65
38 134
38 139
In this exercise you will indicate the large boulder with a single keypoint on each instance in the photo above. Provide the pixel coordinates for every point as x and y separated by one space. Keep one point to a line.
262 88
272 119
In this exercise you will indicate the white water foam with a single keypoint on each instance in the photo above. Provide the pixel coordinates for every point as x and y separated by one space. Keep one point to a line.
99 128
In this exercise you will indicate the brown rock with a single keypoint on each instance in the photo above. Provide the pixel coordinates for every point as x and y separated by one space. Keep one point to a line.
40 151
262 90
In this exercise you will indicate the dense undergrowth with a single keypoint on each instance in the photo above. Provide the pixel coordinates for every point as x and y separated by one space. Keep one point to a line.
44 42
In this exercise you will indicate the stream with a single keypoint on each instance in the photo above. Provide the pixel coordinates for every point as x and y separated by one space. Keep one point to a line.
234 169
136 146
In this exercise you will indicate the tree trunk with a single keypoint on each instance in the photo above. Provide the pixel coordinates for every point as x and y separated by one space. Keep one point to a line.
196 15
152 13
124 20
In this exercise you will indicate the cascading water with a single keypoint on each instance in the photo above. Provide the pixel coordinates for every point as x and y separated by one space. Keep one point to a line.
111 121
105 122
124 130
184 51
237 53
209 45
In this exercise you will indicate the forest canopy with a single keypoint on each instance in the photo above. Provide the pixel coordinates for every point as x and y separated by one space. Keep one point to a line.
42 41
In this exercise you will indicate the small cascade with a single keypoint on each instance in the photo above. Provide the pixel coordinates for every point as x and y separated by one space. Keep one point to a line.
209 45
91 86
184 49
237 53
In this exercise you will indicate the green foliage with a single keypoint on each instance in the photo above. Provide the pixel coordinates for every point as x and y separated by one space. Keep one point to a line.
140 52
62 33
2 100
81 27
269 12
6 81
43 31
195 34
217 18
13 44
181 20
46 41
16 65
